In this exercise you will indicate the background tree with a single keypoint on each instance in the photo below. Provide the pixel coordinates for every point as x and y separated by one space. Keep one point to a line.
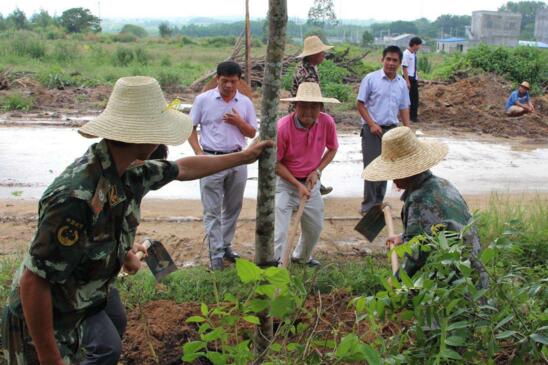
18 19
42 19
453 25
322 14
528 11
79 20
135 30
165 30
317 32
401 27
367 39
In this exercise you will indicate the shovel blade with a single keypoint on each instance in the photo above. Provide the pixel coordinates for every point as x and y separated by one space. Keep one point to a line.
159 261
372 223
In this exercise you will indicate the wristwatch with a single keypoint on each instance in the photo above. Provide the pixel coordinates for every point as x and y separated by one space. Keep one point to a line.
319 172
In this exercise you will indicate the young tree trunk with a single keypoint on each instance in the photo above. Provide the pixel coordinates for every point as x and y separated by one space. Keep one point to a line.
247 44
264 232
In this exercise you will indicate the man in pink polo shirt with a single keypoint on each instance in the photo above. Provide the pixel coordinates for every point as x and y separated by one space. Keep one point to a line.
307 143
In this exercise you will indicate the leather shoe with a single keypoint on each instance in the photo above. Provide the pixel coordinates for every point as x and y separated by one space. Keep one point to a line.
231 255
324 190
310 263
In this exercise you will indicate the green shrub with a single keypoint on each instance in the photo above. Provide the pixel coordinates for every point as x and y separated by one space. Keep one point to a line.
16 101
27 44
287 80
256 43
136 30
166 61
331 73
142 57
65 52
424 65
169 79
220 41
123 57
55 78
339 91
53 32
124 38
184 40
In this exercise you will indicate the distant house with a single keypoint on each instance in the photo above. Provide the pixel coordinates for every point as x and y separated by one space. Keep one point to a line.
495 28
541 26
452 45
401 40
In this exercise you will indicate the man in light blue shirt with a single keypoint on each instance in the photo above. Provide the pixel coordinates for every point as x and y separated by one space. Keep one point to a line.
226 117
519 102
383 100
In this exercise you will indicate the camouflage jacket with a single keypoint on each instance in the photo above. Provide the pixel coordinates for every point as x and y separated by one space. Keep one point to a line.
304 72
430 201
86 224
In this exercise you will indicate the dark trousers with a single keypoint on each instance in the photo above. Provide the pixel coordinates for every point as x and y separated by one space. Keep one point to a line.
373 191
414 97
101 338
103 332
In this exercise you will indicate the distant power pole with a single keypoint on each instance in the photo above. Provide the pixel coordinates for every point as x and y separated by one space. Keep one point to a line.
247 44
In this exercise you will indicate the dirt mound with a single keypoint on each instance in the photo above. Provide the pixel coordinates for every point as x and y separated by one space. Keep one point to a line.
476 104
157 331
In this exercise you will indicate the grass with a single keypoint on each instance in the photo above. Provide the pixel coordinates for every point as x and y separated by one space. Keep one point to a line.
15 101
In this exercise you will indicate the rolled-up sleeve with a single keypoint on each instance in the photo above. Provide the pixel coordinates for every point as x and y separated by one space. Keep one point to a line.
404 99
364 91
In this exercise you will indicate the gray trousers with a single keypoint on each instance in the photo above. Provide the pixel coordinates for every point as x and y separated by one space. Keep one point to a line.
222 198
373 191
287 200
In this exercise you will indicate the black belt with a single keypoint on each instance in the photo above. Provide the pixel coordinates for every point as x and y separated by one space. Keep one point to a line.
220 152
301 180
387 127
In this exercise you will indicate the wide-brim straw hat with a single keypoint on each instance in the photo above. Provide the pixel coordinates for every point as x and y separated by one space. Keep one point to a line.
313 45
403 155
525 84
310 92
137 112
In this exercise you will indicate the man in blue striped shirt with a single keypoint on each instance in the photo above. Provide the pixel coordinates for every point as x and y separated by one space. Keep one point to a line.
383 100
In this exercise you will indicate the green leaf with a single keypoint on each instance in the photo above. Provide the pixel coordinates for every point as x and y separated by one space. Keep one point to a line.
204 309
247 271
277 276
450 354
191 350
195 319
281 306
505 334
539 338
213 335
293 346
455 341
229 297
458 325
487 255
406 279
406 315
504 321
266 290
371 355
348 342
276 347
257 306
252 319
216 358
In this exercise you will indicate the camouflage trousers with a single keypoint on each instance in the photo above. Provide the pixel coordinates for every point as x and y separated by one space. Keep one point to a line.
97 340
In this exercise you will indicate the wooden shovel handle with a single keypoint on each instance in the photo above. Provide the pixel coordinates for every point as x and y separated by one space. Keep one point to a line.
292 233
147 243
390 226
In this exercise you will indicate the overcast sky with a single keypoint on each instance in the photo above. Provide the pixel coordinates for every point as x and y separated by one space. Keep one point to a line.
345 9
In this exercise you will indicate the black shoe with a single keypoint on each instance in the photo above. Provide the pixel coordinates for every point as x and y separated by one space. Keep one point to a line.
217 264
231 255
324 190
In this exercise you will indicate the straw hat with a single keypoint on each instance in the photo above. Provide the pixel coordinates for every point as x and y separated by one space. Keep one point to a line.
403 155
525 84
310 92
138 113
313 45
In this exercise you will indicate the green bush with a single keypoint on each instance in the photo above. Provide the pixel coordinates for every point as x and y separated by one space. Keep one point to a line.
331 73
64 52
220 41
136 30
424 65
184 40
124 38
166 61
55 78
27 44
53 32
142 57
169 79
122 57
287 80
16 101
338 91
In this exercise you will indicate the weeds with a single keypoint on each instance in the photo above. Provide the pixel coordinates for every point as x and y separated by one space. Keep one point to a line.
16 101
27 44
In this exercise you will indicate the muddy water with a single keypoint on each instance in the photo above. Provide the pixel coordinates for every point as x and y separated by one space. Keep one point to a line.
31 157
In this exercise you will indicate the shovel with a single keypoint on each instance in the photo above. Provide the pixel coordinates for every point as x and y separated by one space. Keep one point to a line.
292 233
158 259
373 222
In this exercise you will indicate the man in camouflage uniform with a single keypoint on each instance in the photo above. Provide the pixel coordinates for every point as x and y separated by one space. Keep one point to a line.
428 200
63 308
312 55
